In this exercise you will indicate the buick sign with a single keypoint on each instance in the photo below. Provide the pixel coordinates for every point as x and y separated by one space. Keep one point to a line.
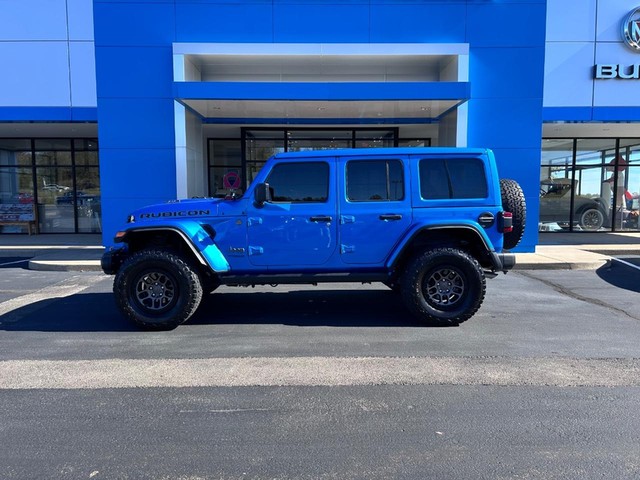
631 36
631 29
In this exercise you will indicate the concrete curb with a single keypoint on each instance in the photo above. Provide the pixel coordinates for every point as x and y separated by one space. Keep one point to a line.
64 265
71 260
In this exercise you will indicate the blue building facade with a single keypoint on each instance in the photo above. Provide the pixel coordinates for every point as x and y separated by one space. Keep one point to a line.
147 99
114 104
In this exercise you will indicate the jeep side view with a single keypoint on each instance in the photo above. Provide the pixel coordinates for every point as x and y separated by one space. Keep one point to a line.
430 223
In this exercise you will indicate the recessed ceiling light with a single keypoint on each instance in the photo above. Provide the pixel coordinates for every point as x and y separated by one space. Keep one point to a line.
322 109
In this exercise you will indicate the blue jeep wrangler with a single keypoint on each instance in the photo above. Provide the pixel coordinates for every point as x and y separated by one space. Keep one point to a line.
430 223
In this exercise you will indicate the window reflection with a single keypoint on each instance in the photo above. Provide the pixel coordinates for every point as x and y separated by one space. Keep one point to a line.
588 184
59 177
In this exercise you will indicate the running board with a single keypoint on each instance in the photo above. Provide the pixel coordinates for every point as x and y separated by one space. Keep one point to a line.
292 279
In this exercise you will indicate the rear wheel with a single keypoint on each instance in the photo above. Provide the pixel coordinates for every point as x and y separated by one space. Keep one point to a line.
444 286
157 290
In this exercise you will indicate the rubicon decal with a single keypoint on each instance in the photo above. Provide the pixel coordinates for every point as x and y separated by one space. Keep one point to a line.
184 213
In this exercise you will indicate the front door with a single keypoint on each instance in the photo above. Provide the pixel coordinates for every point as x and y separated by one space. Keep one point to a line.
298 227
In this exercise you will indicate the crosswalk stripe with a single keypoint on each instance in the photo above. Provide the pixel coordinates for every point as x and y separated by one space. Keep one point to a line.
70 286
318 371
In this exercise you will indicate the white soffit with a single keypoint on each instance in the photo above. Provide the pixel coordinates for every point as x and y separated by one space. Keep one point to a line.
590 130
320 62
266 109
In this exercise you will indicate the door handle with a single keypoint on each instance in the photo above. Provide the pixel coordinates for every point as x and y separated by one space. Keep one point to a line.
321 218
391 216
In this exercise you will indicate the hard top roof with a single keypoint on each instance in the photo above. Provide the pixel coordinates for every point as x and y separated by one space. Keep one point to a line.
385 152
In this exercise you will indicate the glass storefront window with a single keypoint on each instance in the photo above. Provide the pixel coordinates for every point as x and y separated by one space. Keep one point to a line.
55 199
375 138
15 152
53 158
53 144
16 193
556 185
306 145
88 201
225 180
86 158
261 150
319 134
249 153
414 142
225 153
60 174
588 184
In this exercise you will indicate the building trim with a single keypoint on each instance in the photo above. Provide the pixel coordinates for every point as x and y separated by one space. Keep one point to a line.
588 114
48 114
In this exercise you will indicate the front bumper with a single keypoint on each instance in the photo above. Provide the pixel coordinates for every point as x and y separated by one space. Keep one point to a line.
112 259
503 262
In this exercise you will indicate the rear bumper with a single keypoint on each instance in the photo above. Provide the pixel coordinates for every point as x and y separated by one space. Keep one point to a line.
112 259
503 262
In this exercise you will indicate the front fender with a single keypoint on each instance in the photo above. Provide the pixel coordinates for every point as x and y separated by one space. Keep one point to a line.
199 240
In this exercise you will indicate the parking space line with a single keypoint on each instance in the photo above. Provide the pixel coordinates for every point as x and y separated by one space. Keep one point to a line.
628 264
13 263
63 289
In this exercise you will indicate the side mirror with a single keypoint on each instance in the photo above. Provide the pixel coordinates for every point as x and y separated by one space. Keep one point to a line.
262 194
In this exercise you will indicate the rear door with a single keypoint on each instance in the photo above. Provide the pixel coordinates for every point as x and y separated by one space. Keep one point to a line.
375 208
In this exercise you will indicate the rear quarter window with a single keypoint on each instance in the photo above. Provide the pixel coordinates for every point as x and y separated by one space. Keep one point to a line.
452 178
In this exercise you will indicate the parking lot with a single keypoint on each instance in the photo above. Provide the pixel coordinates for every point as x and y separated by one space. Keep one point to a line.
323 382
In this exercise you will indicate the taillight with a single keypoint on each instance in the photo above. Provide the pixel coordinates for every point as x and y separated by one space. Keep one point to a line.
505 222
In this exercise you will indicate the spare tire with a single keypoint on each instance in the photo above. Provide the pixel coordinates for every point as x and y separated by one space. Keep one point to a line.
513 201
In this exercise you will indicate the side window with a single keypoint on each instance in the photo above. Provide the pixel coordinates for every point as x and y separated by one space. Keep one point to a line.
306 182
467 178
375 180
434 180
453 178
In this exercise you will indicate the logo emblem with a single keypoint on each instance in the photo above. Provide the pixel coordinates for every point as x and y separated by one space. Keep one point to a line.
631 29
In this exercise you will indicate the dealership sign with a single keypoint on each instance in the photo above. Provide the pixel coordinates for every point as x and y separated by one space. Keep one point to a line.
631 29
631 36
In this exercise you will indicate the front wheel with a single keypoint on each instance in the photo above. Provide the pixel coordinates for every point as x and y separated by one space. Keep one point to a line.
443 286
157 290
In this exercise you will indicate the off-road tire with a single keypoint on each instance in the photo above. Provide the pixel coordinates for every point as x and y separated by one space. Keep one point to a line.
443 286
513 201
157 289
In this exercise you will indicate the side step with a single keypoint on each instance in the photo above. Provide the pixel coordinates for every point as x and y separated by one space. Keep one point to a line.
302 278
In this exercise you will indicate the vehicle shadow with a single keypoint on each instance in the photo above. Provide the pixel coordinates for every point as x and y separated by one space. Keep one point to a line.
96 312
620 275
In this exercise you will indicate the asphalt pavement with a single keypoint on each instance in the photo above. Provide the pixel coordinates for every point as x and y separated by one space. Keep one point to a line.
330 382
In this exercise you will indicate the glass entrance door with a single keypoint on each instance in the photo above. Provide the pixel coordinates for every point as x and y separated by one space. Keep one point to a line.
243 158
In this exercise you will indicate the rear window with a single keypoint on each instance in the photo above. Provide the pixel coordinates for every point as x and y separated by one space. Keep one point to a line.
452 178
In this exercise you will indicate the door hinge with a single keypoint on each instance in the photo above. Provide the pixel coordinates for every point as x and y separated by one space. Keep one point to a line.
256 250
254 221
347 248
347 219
